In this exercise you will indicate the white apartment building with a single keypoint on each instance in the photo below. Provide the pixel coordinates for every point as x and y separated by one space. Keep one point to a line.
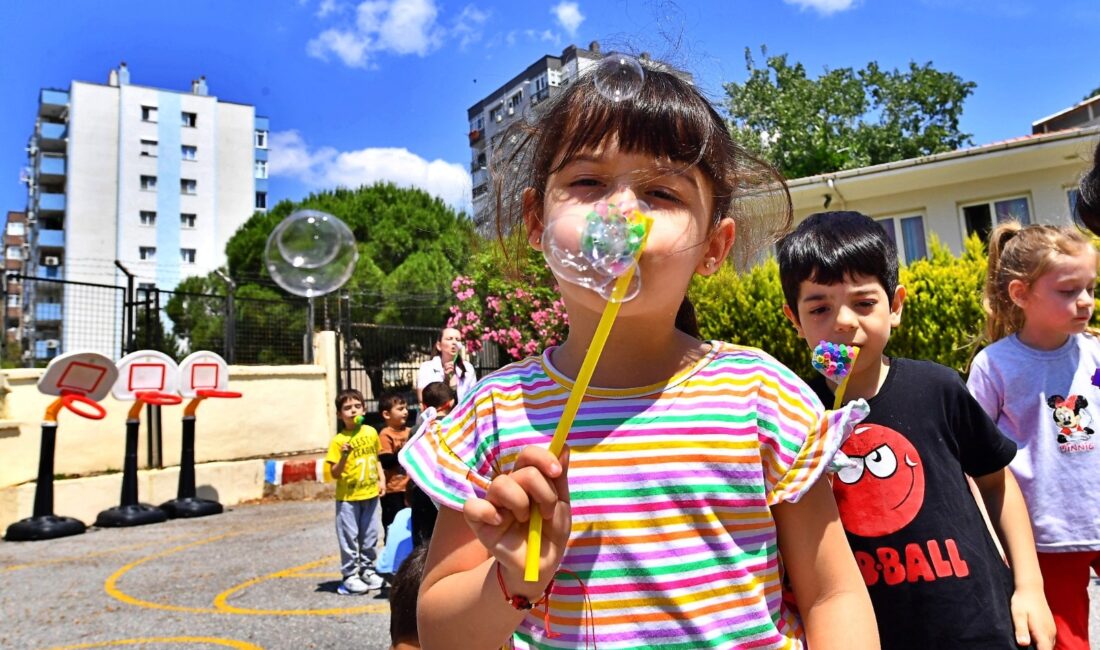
157 180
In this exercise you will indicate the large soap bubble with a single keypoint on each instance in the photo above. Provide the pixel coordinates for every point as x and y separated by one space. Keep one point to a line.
618 76
593 247
311 253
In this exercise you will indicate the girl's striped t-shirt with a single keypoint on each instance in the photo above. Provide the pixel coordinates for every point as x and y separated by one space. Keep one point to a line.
671 489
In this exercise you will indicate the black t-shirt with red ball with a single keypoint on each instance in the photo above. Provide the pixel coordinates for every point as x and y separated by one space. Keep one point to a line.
936 577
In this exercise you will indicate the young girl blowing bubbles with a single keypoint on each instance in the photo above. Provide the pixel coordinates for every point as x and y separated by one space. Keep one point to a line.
1036 381
690 492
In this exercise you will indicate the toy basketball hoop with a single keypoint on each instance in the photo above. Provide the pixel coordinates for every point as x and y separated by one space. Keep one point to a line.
78 380
144 377
202 375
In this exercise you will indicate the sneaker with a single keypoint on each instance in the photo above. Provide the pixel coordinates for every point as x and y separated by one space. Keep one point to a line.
353 585
373 581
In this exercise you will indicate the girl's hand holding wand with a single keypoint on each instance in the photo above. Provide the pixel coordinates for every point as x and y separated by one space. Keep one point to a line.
500 520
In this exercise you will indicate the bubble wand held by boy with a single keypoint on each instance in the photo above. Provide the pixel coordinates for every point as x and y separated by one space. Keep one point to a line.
611 244
835 361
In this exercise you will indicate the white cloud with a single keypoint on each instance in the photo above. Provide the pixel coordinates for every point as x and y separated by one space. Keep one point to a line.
467 27
328 7
327 168
823 7
396 26
568 15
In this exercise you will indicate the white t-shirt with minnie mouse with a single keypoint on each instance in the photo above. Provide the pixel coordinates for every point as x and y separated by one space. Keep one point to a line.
1046 401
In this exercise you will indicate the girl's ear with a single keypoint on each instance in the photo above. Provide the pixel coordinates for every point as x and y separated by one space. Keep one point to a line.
532 218
717 247
1017 292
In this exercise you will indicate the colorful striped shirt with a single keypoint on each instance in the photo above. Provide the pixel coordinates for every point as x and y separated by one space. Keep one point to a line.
671 491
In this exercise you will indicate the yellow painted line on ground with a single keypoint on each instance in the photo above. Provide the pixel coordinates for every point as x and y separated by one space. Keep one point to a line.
221 606
221 601
229 643
74 558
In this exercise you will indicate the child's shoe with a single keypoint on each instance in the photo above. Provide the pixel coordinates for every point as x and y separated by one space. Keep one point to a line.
373 581
353 585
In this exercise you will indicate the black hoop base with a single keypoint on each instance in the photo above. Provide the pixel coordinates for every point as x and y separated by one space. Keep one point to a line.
33 529
132 515
187 508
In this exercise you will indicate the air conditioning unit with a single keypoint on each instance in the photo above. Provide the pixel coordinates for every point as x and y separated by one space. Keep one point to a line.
511 110
53 343
500 118
51 260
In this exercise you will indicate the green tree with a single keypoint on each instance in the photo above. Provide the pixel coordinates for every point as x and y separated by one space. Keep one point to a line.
845 118
197 308
1095 91
411 245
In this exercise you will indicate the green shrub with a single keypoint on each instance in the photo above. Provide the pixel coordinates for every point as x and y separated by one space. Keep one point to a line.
942 312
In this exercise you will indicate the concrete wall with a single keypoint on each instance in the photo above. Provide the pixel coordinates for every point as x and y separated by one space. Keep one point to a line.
284 410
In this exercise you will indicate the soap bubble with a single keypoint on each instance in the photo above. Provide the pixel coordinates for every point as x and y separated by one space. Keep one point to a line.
311 253
618 76
595 246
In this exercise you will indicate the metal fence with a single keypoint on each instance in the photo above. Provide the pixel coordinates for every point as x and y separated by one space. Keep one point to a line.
65 315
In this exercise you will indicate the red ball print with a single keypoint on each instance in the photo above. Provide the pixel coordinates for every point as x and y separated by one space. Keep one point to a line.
884 491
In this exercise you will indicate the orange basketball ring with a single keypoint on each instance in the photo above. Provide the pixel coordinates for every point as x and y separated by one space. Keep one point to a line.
157 398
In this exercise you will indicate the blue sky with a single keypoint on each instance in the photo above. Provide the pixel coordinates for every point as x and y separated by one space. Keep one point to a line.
378 90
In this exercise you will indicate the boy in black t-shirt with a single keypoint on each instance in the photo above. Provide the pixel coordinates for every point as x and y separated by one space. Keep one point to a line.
936 578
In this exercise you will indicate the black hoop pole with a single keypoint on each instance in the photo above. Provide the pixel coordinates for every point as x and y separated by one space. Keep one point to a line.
187 460
43 489
129 465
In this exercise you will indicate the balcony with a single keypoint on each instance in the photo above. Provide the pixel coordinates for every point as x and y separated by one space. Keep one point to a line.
47 312
51 202
51 168
49 273
52 103
51 136
51 238
475 137
47 349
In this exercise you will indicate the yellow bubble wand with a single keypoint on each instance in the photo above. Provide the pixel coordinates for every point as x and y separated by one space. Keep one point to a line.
640 227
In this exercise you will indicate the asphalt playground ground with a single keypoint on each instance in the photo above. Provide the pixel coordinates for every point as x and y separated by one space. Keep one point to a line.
260 576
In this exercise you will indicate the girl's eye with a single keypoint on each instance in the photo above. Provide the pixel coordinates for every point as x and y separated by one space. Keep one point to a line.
585 182
664 194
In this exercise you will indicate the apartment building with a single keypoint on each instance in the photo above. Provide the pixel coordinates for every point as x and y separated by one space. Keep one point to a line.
15 254
157 180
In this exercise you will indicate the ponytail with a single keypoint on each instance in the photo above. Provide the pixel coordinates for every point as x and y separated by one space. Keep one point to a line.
1003 316
1088 196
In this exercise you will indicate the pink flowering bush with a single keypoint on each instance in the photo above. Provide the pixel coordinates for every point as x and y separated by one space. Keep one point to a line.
522 314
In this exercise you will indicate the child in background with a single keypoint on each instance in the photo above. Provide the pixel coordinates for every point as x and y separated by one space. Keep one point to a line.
439 399
403 596
695 484
1037 380
936 578
352 460
395 413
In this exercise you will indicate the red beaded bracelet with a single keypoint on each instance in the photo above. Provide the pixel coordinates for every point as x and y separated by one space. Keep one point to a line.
522 603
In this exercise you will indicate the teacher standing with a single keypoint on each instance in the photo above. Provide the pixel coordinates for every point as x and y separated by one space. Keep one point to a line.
448 366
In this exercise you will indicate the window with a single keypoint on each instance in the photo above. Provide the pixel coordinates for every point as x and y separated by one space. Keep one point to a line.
188 186
149 183
148 113
187 255
187 220
149 148
17 228
514 101
147 252
261 169
146 287
188 152
477 123
496 114
981 217
261 139
911 244
14 253
189 119
14 300
148 218
261 200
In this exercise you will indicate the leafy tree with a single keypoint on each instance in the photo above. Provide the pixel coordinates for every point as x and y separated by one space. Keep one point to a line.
411 245
197 308
845 118
151 334
1095 91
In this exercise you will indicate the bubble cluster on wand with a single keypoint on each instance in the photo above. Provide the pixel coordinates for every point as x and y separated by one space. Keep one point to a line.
835 361
610 242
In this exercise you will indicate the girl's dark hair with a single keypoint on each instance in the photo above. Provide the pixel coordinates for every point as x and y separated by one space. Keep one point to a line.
1088 196
403 596
827 247
667 117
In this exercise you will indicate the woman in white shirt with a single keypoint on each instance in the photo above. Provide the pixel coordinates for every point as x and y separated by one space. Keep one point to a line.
448 365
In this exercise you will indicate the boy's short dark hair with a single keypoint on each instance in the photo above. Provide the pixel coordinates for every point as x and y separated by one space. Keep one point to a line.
403 596
346 395
390 399
829 246
437 394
